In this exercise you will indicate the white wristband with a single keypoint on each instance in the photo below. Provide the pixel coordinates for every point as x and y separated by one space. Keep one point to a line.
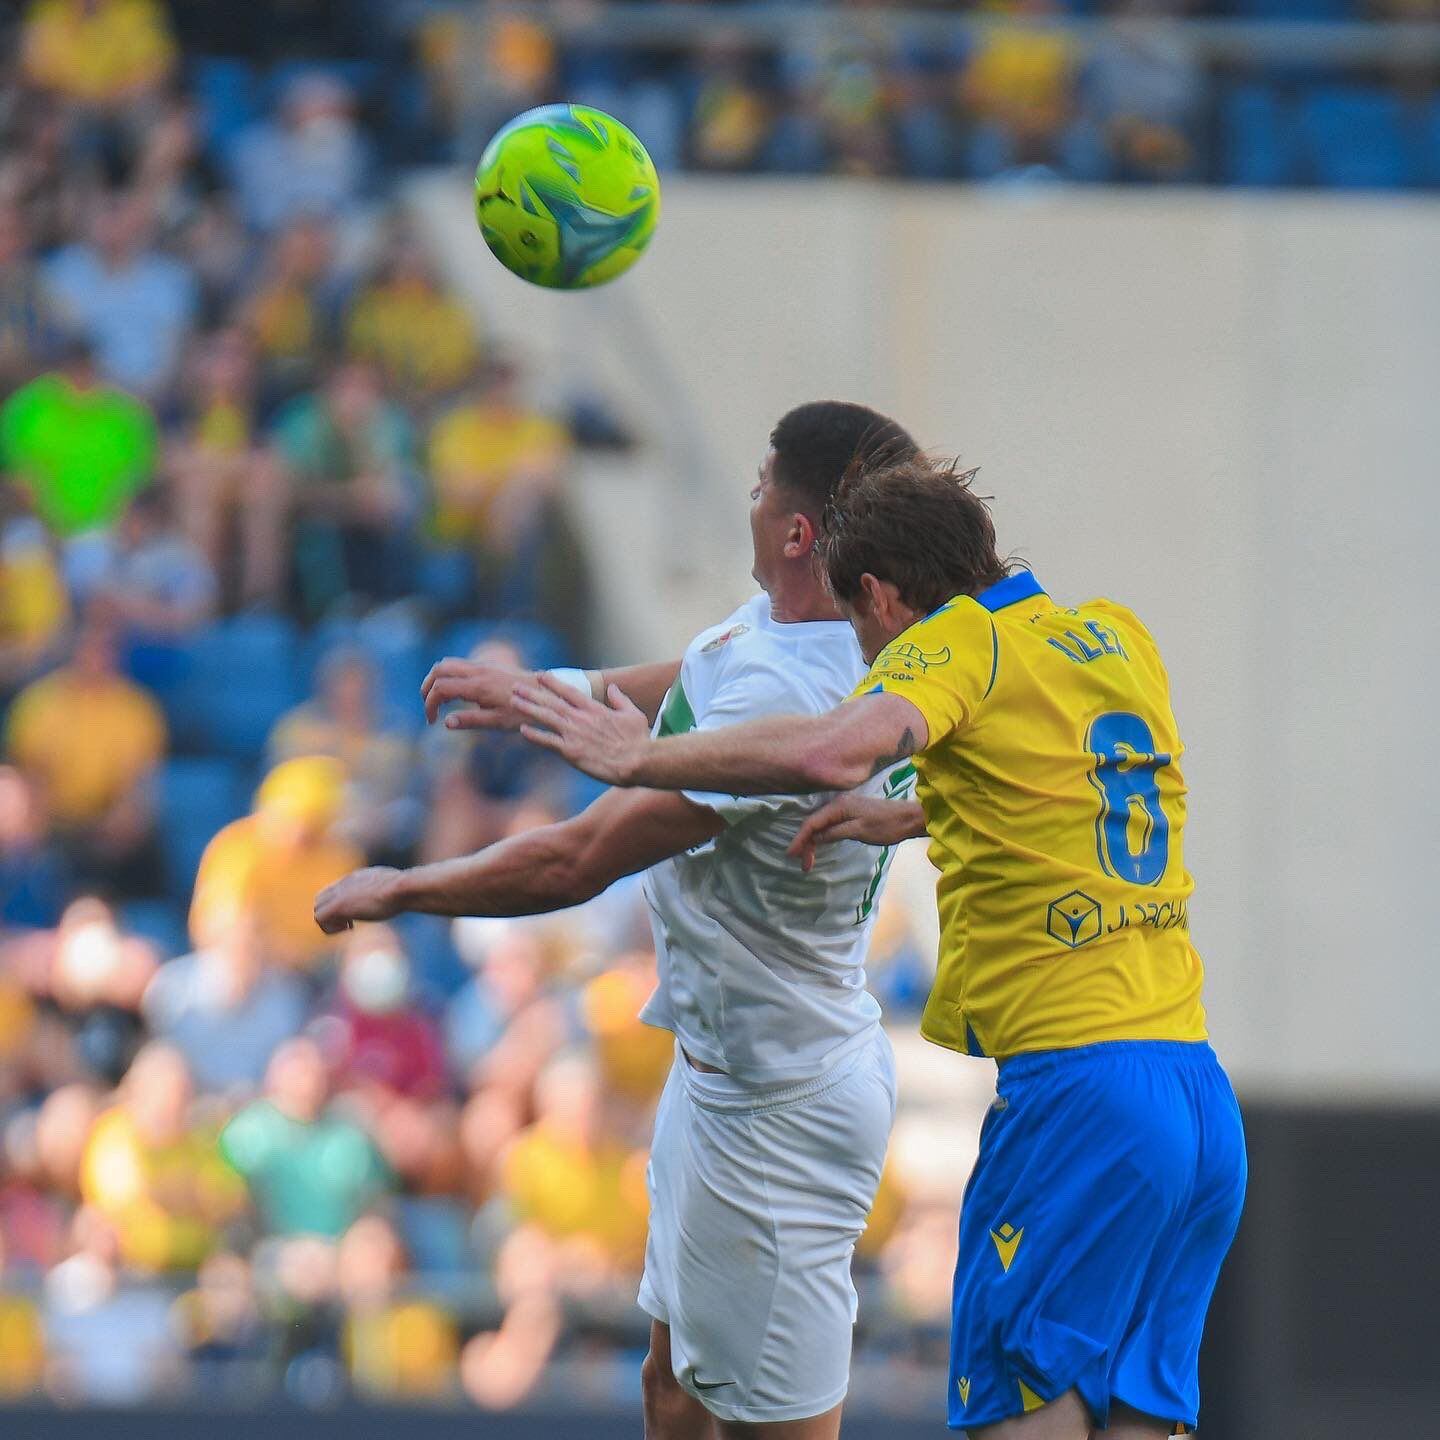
575 679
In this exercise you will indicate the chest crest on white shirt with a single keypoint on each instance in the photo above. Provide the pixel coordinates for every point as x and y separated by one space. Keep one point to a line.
725 638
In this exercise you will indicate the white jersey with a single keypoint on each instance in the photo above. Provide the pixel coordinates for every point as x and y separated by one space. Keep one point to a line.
762 967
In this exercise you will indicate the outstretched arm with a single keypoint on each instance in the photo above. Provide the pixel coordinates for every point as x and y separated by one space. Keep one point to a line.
787 755
488 690
546 869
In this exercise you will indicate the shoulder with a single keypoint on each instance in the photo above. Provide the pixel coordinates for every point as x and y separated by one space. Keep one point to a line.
715 645
744 666
1126 621
956 631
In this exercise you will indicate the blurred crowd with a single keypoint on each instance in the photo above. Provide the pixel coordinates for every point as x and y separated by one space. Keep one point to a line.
258 468
1024 96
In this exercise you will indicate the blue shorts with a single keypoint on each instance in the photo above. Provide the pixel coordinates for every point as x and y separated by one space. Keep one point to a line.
1106 1194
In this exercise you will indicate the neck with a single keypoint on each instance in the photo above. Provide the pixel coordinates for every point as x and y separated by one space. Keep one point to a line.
796 597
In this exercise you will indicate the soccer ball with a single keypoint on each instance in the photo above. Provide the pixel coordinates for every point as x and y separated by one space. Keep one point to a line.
566 197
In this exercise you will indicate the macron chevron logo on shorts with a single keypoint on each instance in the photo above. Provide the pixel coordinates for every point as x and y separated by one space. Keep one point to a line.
1007 1241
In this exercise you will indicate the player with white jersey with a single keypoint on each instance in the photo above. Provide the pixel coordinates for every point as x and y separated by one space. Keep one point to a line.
771 1134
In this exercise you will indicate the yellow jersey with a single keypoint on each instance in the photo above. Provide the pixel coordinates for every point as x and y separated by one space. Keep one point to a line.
1055 806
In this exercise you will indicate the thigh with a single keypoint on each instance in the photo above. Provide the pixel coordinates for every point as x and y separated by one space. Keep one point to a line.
1156 1369
815 1427
1065 1418
670 1412
761 1217
1083 1165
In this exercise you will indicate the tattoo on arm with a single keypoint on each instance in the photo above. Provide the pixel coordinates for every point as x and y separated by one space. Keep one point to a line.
905 748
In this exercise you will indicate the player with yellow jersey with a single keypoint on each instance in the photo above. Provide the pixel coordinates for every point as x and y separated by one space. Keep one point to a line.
1111 1171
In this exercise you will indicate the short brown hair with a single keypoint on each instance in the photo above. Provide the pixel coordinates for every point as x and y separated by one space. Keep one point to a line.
918 525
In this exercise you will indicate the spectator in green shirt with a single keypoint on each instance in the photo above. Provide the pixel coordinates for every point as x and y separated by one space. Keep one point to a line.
310 1172
81 448
349 452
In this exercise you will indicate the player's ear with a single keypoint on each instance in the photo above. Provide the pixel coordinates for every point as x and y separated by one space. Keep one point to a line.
871 598
800 541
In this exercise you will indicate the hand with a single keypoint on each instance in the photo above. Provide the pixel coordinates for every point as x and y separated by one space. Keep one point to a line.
854 817
487 688
362 895
608 742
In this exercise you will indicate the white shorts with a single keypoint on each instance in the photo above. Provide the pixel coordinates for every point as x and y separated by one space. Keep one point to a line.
756 1200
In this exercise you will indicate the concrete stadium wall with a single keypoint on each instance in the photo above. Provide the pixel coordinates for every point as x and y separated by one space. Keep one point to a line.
1218 408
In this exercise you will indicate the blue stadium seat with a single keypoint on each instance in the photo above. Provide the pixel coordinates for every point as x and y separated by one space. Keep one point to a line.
446 578
1429 142
538 645
361 77
435 965
161 922
228 101
395 644
1296 9
197 797
1354 138
251 663
1259 144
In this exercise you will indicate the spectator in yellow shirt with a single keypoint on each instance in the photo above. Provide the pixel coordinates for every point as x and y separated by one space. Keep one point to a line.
293 312
157 1178
423 339
90 741
1021 78
34 608
493 461
344 721
496 469
105 53
230 489
574 1179
396 1347
275 861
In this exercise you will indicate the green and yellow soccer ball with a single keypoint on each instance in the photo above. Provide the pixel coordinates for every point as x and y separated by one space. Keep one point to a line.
566 197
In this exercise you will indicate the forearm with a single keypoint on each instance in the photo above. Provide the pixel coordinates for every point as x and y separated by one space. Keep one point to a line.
787 755
646 685
529 874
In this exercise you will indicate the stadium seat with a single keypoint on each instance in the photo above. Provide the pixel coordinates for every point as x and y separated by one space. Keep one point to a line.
435 965
1258 141
1428 137
227 93
538 645
436 1232
446 578
197 797
161 922
254 663
1355 138
1296 10
395 643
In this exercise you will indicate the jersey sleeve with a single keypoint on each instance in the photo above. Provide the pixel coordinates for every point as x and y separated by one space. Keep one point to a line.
750 692
944 665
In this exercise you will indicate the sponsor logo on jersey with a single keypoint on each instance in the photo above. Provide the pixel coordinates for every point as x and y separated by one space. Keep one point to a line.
963 1386
1007 1241
911 658
1075 919
705 649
